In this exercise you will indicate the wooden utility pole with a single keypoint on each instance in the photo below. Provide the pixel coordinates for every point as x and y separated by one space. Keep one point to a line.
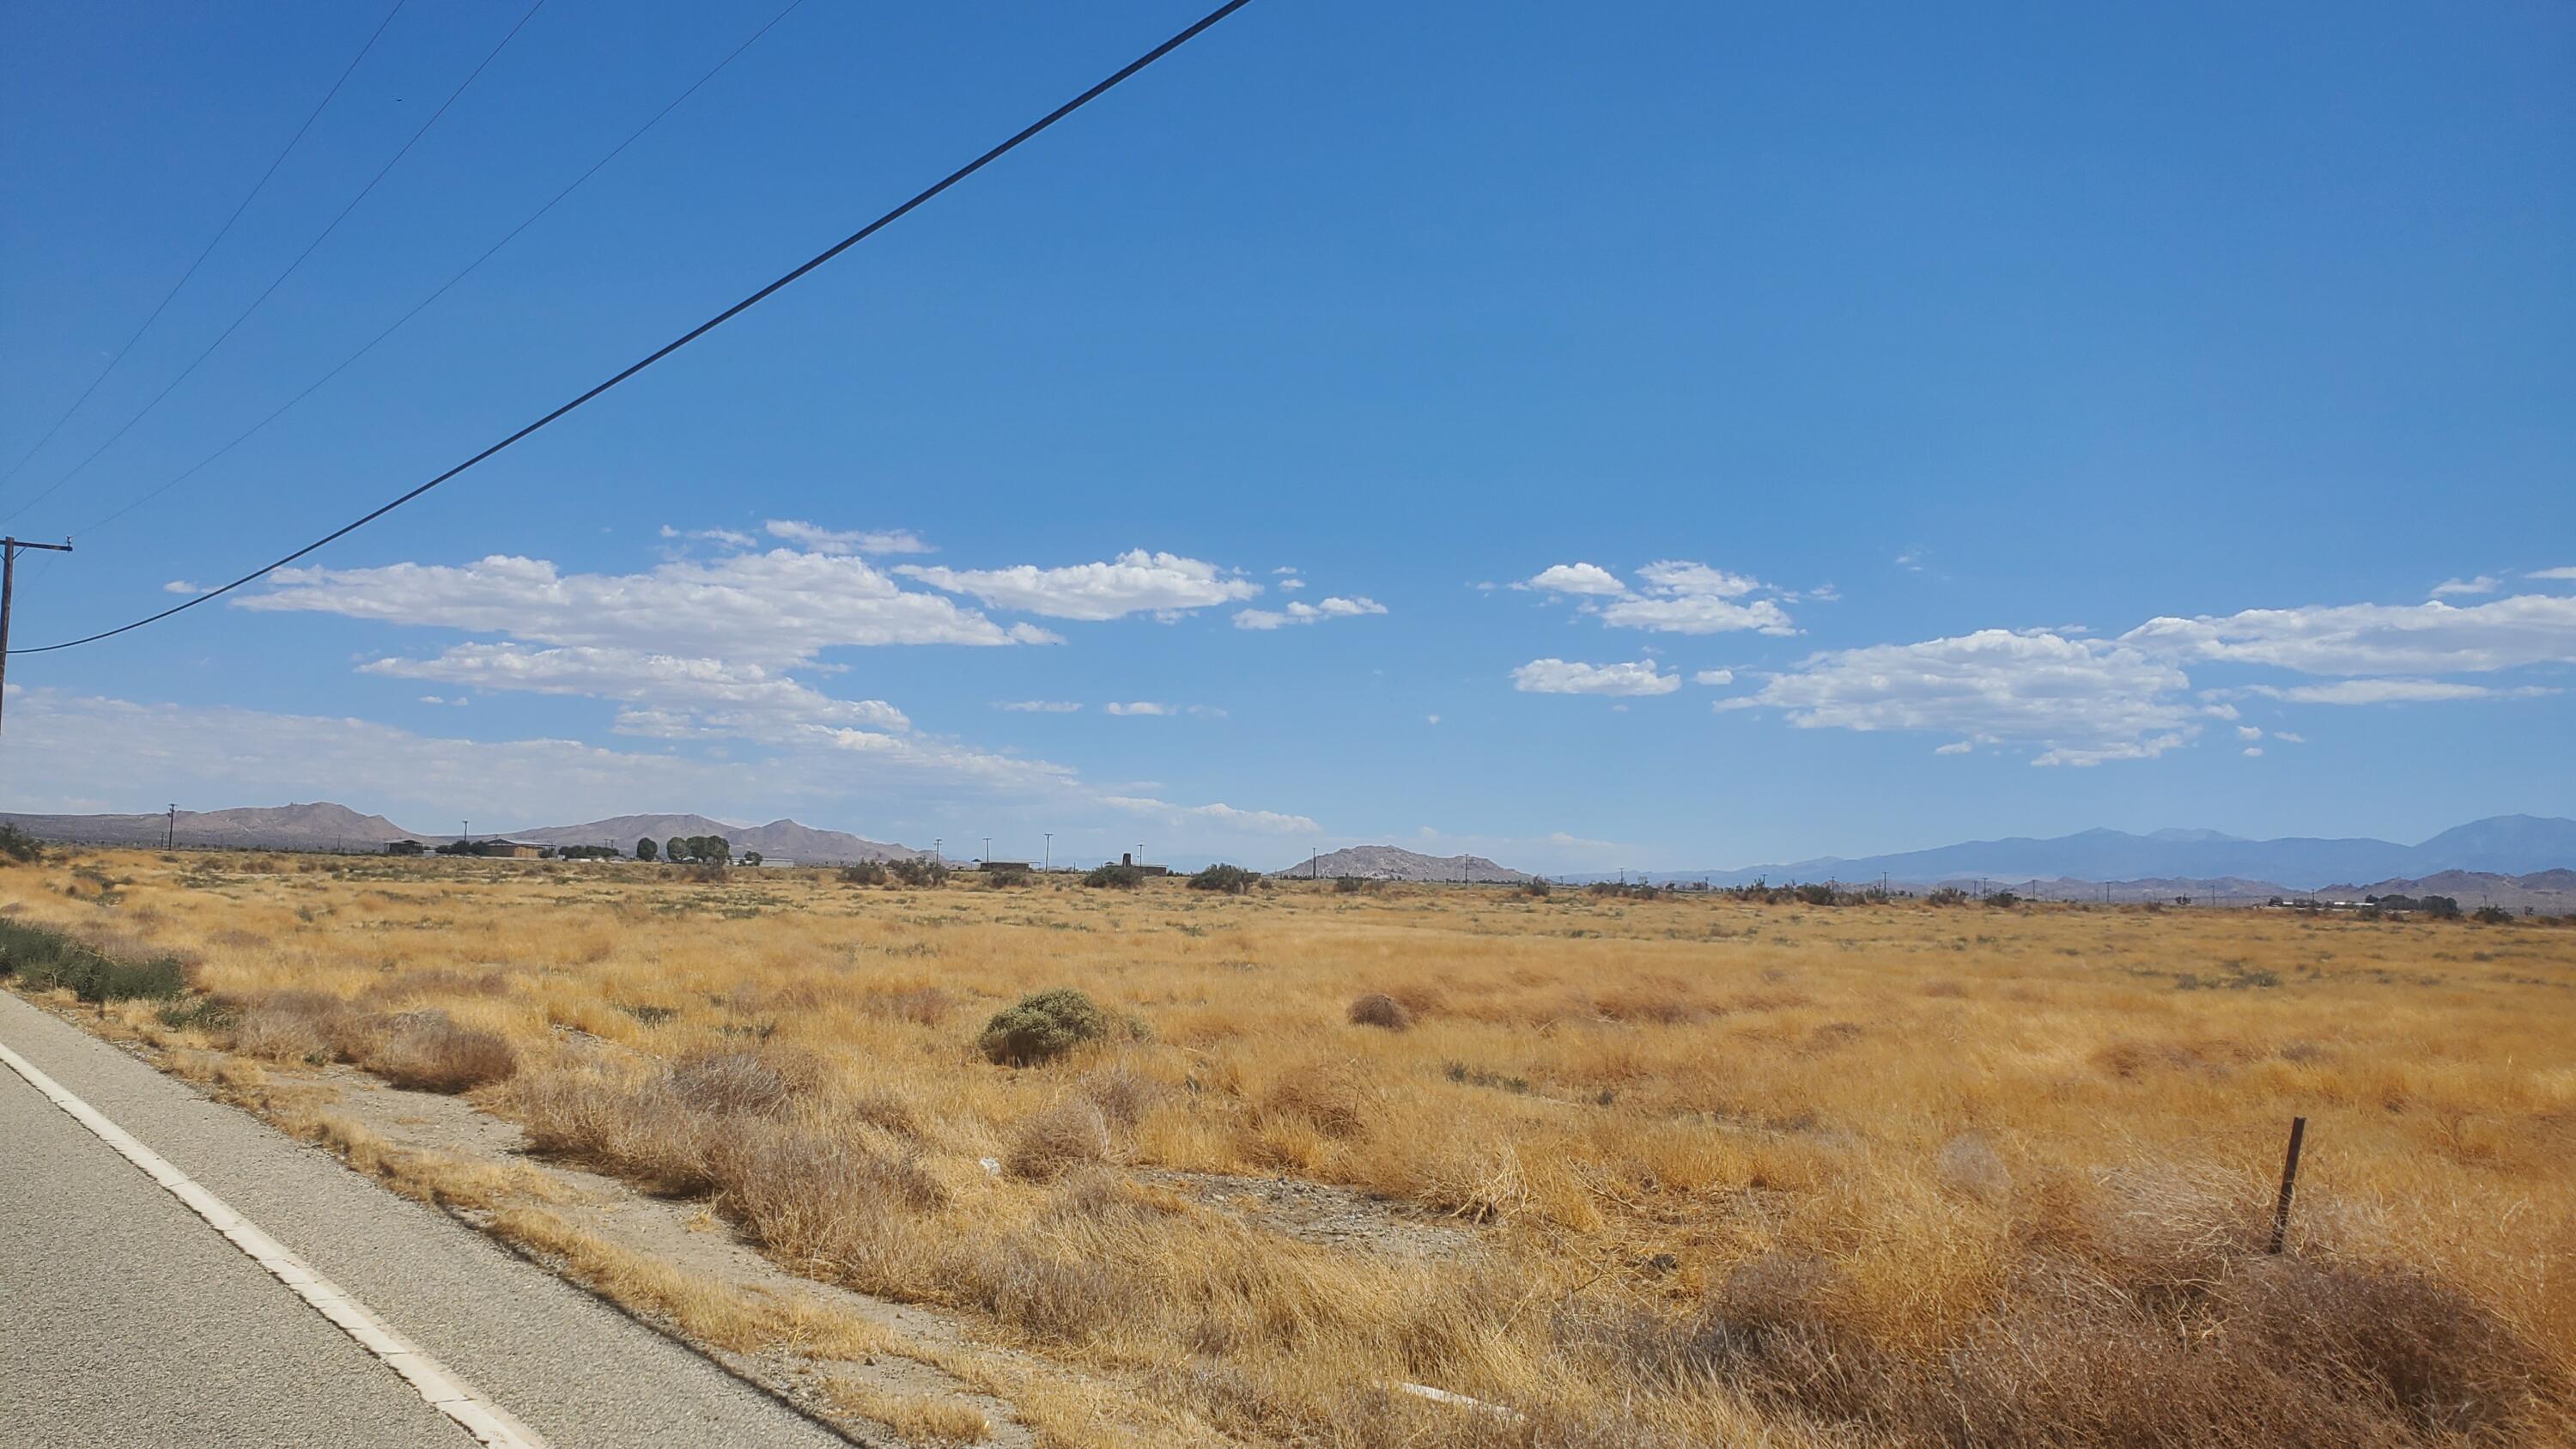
9 585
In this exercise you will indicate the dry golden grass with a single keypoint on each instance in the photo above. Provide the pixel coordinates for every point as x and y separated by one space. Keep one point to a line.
1730 1171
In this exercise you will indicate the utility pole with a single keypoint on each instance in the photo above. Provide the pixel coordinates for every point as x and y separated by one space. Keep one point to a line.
170 837
988 851
1046 863
9 585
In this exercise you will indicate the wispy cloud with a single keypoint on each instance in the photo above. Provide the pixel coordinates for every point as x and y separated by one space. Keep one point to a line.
1136 582
1564 676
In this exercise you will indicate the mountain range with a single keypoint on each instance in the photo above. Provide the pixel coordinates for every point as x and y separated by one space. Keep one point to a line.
1389 862
326 826
2501 844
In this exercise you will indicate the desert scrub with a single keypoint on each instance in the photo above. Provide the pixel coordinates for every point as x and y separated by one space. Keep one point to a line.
1042 1027
1234 880
43 958
1379 1009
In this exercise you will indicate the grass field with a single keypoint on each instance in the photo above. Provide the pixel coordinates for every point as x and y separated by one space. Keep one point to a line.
1641 1171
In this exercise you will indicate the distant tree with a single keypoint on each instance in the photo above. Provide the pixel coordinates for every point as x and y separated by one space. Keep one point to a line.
2494 916
919 871
675 850
1234 880
2003 899
2440 908
1114 877
406 847
645 849
864 873
460 847
751 858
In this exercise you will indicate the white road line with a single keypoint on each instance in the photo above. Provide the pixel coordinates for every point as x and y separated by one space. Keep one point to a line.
439 1388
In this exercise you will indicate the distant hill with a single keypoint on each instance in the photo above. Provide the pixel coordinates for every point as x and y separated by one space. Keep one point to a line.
1388 862
2549 892
2503 844
325 826
319 826
779 839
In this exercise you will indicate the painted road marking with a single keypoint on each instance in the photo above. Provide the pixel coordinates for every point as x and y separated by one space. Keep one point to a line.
437 1386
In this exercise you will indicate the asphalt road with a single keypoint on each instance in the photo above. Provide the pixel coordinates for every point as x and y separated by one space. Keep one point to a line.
126 1319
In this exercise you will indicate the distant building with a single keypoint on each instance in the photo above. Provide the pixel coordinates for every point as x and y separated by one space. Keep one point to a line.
508 849
1018 865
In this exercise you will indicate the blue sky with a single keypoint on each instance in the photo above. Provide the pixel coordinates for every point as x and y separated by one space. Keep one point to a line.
1697 436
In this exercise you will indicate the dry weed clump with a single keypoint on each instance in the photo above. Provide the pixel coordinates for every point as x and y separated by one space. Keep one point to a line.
1072 1133
425 1051
1645 1171
1379 1009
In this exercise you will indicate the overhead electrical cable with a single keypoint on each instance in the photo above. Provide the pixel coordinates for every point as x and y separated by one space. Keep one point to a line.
291 268
220 233
918 199
444 287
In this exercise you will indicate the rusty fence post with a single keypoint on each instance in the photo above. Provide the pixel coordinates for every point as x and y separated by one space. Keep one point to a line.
2289 1183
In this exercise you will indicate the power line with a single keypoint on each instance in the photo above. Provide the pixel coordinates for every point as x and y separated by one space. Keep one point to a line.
444 287
199 360
919 198
220 233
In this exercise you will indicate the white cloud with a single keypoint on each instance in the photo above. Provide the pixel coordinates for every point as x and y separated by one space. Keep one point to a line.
772 608
1577 578
830 540
756 698
2429 638
2076 701
1698 614
730 537
1675 597
1135 582
1714 677
1560 676
2559 574
1670 576
1139 707
1301 612
1693 598
2248 732
1912 559
1956 747
2482 584
2252 751
181 586
1431 719
1040 706
2390 691
1267 822
2288 738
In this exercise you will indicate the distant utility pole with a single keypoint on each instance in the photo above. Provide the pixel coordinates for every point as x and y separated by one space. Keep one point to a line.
170 837
9 585
988 850
1046 862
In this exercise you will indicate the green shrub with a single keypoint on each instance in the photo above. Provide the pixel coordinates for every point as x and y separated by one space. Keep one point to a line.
920 871
17 846
865 873
1006 877
2494 916
44 958
1043 1027
1234 880
1114 877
